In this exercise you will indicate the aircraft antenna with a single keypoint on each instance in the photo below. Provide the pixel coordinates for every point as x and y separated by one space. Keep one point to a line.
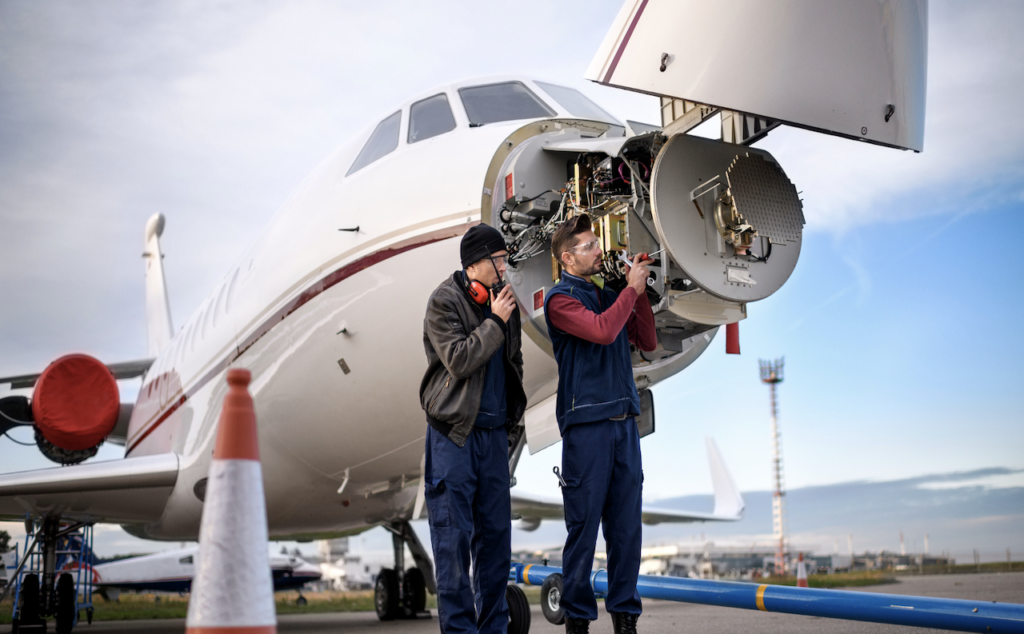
771 374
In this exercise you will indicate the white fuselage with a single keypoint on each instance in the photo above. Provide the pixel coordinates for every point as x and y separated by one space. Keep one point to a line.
304 297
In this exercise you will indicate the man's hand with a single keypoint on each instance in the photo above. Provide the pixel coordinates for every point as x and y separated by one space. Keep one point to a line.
503 304
637 275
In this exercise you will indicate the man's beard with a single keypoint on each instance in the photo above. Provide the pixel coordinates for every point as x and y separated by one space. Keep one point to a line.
594 269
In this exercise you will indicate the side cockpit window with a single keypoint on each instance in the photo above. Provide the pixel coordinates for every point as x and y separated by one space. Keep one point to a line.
382 142
577 103
430 117
506 101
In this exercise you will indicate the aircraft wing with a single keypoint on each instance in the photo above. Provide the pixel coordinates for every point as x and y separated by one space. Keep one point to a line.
126 491
123 370
729 503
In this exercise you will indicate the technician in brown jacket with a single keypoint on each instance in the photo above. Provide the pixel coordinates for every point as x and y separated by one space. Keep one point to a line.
474 400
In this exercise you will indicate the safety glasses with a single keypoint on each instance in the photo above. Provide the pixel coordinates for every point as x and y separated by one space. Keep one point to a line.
586 247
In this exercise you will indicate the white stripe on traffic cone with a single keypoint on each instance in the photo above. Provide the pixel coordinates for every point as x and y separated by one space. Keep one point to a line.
801 572
232 592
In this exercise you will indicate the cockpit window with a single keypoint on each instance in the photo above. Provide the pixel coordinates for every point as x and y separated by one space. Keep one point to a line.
502 102
576 103
430 117
382 142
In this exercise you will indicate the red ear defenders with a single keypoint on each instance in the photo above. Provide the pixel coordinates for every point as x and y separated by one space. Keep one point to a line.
477 292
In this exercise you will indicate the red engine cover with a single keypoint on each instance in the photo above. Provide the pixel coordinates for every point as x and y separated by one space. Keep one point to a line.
76 402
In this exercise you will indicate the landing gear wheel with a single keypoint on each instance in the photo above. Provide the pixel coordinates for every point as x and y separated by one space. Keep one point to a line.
301 600
551 599
385 595
88 615
66 604
415 592
28 614
518 610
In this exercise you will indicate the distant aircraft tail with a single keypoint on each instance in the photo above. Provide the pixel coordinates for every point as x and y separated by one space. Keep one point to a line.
728 501
158 309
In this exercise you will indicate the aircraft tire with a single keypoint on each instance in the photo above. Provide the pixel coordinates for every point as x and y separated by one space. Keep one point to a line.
28 614
518 610
385 595
66 604
551 599
415 592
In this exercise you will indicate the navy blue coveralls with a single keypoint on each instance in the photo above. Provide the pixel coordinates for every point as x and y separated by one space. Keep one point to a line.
595 408
470 514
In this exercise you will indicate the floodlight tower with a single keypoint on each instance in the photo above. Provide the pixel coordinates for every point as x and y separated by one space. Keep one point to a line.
771 373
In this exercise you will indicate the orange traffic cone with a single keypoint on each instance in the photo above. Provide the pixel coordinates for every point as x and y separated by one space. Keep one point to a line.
801 572
232 591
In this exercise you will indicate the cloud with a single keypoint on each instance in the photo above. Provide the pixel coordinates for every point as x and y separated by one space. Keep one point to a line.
973 155
998 478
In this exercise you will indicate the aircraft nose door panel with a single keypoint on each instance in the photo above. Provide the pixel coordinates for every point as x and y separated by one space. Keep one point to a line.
852 69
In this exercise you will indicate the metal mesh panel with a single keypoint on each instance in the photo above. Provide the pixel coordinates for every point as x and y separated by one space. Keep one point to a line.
766 198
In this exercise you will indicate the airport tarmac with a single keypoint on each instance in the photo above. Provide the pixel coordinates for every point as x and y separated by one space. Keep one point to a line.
660 617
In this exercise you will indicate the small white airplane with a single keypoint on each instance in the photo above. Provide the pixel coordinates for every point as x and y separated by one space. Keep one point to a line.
349 572
173 570
325 309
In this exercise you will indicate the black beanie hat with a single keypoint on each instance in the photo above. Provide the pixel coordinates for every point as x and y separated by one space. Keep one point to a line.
479 242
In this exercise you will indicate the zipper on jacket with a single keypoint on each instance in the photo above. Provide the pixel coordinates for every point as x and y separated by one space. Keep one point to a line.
445 387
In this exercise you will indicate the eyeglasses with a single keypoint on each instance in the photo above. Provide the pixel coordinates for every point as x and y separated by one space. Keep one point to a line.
585 247
498 259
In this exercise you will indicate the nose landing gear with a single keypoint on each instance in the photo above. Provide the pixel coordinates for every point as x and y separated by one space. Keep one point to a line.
400 593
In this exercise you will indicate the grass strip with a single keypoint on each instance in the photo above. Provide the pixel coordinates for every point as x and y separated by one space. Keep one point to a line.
838 580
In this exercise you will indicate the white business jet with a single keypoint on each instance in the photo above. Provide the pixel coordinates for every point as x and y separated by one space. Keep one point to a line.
173 571
325 309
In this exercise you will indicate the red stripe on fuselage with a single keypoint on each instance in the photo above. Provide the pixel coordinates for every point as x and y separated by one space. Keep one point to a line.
303 298
625 41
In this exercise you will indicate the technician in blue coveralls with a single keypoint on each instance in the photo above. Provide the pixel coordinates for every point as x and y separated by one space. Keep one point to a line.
474 399
591 328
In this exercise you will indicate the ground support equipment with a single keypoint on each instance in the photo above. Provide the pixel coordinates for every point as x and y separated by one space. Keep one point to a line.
895 609
53 577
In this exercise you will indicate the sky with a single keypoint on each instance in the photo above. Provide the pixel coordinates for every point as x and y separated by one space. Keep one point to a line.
898 325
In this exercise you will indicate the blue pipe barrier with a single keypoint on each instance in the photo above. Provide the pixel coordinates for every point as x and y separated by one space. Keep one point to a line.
895 609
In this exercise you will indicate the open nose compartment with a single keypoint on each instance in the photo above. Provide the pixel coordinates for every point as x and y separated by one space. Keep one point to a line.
723 220
728 216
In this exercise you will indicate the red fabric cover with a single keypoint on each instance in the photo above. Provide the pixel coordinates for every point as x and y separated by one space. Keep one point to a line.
76 402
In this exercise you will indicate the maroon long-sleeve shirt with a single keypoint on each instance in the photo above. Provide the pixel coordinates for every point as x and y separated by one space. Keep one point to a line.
633 311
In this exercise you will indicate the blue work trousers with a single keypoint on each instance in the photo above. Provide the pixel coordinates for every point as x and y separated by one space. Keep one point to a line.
603 485
467 495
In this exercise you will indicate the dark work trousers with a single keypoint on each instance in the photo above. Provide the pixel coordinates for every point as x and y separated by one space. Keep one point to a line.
467 495
603 485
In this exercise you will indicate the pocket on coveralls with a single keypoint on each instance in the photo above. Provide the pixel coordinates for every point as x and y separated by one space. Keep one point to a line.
436 496
573 501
